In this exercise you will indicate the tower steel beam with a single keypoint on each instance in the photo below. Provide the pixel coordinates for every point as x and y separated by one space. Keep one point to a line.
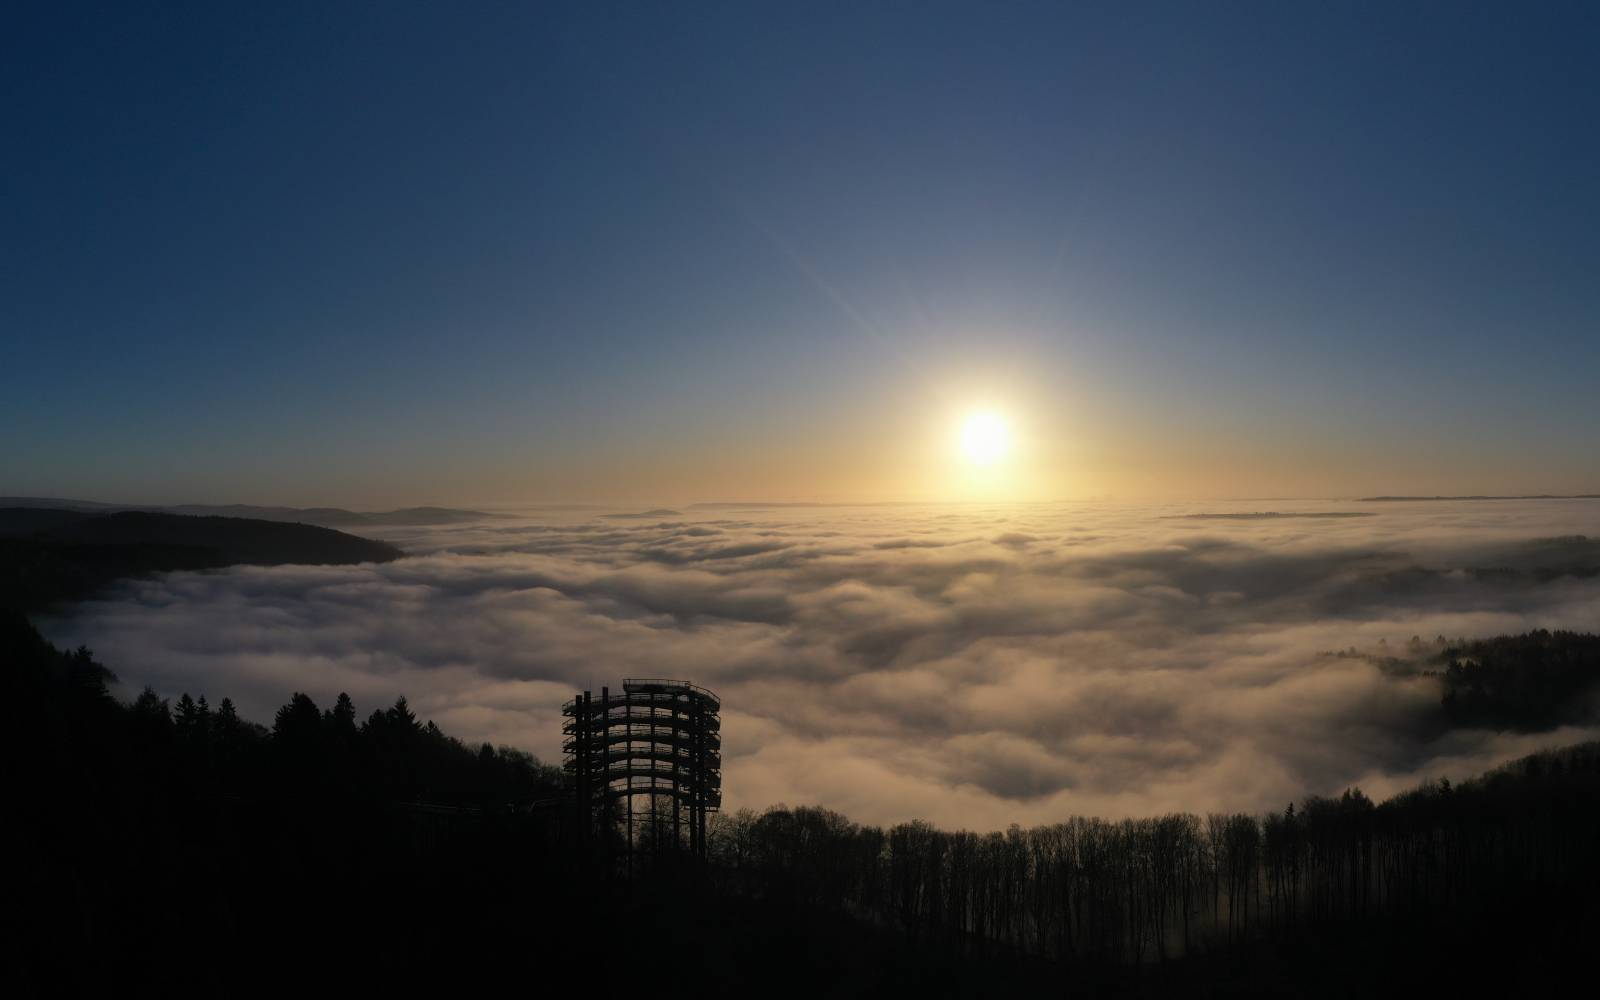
659 737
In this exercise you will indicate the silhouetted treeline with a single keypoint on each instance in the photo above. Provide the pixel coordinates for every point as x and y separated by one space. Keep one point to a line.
1141 890
177 844
50 557
307 753
1529 682
152 830
1533 681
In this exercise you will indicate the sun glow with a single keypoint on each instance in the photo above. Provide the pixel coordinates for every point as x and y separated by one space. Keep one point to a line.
985 438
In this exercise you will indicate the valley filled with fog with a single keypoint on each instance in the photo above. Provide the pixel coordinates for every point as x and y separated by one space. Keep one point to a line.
970 665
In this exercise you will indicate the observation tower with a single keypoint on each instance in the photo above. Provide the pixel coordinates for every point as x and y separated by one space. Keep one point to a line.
660 739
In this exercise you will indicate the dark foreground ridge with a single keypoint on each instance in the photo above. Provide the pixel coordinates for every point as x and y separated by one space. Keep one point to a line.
186 847
50 557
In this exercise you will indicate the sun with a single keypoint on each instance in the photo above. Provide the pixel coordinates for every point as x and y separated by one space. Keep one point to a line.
985 438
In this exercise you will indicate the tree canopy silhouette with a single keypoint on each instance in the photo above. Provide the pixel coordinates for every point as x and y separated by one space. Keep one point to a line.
420 852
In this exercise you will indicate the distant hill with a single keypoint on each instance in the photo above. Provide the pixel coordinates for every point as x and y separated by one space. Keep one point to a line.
326 516
427 515
1526 496
50 556
1269 515
780 504
16 521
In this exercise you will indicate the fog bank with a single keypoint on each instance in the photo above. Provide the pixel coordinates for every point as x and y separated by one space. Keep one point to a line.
970 665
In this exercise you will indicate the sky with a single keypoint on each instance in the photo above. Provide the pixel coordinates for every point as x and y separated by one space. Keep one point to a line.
384 254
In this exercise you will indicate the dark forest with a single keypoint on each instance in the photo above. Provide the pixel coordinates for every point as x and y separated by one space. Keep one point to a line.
177 838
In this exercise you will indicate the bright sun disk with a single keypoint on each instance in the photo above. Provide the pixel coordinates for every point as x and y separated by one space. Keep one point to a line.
985 438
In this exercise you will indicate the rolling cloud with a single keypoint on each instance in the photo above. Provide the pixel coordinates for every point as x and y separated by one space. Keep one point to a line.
972 666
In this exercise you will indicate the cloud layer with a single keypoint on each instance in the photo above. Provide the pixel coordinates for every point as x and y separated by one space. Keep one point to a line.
974 666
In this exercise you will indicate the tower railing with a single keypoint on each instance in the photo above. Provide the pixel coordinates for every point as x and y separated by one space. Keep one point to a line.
657 739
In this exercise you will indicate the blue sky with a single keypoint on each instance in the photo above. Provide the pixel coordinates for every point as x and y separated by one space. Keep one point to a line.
460 253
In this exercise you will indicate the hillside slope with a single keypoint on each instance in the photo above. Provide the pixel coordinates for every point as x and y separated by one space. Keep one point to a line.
50 557
326 516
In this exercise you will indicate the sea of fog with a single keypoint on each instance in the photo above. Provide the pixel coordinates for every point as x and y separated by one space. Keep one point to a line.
973 665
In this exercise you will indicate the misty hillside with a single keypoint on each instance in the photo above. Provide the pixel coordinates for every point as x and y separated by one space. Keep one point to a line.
1530 682
49 556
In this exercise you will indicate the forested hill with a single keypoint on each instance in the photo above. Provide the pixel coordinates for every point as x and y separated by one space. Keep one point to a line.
50 557
1530 682
384 855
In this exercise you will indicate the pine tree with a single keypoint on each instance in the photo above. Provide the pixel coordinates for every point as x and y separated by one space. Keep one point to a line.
341 718
227 722
152 719
298 720
401 718
151 707
188 717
